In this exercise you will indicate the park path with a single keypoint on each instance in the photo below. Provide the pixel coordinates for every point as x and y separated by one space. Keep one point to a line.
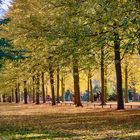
65 107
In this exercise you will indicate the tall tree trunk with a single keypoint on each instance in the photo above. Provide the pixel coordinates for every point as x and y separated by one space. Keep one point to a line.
0 98
76 83
43 88
37 89
62 88
12 95
25 93
18 90
33 80
126 83
4 98
120 102
88 83
30 89
102 77
58 85
91 91
16 95
51 72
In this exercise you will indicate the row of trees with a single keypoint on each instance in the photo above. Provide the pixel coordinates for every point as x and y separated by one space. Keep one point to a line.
73 35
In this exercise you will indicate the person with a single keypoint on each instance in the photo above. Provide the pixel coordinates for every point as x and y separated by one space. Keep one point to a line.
68 95
85 96
130 95
48 98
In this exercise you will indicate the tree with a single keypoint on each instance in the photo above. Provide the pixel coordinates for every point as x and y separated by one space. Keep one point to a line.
71 33
37 89
25 92
115 26
43 88
58 85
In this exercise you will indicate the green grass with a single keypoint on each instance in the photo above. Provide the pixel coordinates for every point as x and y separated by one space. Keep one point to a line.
43 122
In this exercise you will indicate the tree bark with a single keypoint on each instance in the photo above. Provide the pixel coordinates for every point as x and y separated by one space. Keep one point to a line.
58 85
43 88
31 92
51 72
25 93
16 95
4 98
33 80
12 95
88 83
126 83
102 77
62 88
120 102
0 98
76 83
91 91
37 89
18 91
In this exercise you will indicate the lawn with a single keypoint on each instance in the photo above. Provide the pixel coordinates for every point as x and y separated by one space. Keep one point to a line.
44 122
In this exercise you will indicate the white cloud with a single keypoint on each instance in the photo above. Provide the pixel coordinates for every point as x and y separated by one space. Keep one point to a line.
4 7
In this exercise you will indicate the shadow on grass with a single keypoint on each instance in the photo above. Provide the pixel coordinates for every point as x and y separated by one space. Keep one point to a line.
96 125
123 138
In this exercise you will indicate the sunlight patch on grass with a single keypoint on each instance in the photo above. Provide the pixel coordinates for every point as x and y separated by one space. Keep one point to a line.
46 122
18 136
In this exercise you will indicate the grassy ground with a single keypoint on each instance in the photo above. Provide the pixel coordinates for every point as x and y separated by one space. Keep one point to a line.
44 122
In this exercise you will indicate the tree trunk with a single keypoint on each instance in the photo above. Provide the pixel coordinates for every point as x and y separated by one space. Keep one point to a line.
9 99
33 79
120 102
3 98
102 77
16 95
37 89
25 93
18 91
91 91
0 98
12 95
30 89
76 83
88 83
62 88
43 88
29 92
58 84
51 72
126 83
